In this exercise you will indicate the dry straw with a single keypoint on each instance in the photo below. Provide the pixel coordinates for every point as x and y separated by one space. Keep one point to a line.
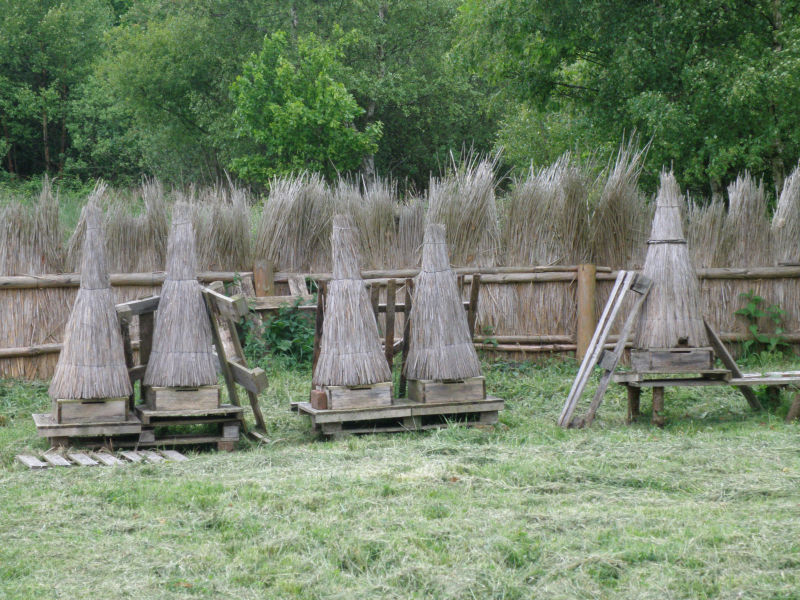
671 315
350 350
182 353
92 360
440 346
786 222
746 231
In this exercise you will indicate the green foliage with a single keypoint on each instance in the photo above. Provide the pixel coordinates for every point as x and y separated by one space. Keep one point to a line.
287 332
298 112
761 341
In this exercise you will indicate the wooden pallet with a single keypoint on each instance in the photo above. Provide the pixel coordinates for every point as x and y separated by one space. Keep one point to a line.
61 434
157 426
99 458
403 415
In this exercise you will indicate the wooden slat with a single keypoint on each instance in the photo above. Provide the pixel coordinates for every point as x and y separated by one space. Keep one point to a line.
152 457
406 338
318 323
139 307
107 459
391 294
233 308
132 456
56 459
472 312
174 456
263 278
31 461
81 459
253 380
727 360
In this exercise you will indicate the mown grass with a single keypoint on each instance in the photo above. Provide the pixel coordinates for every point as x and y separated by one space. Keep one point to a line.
708 507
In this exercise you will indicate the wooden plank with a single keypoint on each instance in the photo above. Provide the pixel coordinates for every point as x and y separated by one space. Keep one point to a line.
233 308
391 293
173 456
132 455
139 307
31 461
46 426
472 312
374 298
230 384
764 380
107 459
204 397
81 459
254 381
263 278
727 360
338 416
198 415
454 408
469 389
678 382
125 317
672 360
587 319
152 457
85 411
657 418
318 322
230 431
341 397
406 337
56 460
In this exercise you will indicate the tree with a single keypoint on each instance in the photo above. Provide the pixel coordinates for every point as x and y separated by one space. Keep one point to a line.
715 84
297 112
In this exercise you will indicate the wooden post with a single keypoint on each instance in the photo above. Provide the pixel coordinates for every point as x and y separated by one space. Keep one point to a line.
239 352
587 318
634 394
374 298
391 290
264 278
322 287
125 327
658 406
145 345
406 337
472 315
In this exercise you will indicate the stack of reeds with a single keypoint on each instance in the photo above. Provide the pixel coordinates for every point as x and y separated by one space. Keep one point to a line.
440 344
182 353
373 214
92 360
746 231
410 232
350 348
705 232
671 314
786 222
31 244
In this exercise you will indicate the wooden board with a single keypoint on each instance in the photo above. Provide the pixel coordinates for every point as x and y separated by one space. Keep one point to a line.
56 459
82 460
152 457
31 461
175 398
174 456
107 459
225 412
377 394
105 410
672 360
132 456
465 390
46 426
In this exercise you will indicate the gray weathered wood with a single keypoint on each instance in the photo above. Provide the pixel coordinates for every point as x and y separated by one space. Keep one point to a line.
472 388
107 459
56 459
81 459
151 456
76 411
672 360
234 307
132 456
377 394
727 360
174 456
203 397
31 461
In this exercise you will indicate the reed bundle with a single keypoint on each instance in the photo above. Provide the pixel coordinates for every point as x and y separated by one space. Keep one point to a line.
350 348
410 233
786 222
671 314
181 353
464 202
373 215
294 232
92 361
705 232
440 344
746 231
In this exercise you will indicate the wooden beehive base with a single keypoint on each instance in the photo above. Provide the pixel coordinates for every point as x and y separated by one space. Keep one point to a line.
158 426
672 360
99 410
203 397
403 415
362 396
437 391
64 434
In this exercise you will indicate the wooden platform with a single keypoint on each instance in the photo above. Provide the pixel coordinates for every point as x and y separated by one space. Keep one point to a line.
157 427
59 433
655 379
403 415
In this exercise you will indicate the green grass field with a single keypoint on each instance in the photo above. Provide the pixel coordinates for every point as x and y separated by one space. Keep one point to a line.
708 507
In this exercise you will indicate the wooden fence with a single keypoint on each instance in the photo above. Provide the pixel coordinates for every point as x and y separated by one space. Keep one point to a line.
522 310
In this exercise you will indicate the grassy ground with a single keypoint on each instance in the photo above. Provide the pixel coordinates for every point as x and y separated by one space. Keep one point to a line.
708 507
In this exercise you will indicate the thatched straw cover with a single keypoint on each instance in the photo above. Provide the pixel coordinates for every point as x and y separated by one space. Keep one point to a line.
181 354
350 350
92 360
441 347
671 315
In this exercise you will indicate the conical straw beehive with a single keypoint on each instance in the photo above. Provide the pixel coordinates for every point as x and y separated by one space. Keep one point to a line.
671 315
92 360
350 349
182 353
440 347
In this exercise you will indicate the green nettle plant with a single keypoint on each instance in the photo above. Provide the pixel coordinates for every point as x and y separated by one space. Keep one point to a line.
761 341
287 332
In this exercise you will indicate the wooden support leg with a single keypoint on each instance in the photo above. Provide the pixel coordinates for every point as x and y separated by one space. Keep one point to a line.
794 410
59 442
225 445
634 395
658 406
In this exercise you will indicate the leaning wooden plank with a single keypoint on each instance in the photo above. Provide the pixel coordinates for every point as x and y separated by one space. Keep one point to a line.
81 459
174 456
139 307
233 308
253 380
132 456
56 459
727 360
31 461
107 459
151 456
644 284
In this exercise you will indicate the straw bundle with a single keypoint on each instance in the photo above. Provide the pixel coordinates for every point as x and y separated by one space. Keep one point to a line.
350 350
440 347
746 231
92 361
410 232
295 225
671 315
181 354
372 214
786 222
705 232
